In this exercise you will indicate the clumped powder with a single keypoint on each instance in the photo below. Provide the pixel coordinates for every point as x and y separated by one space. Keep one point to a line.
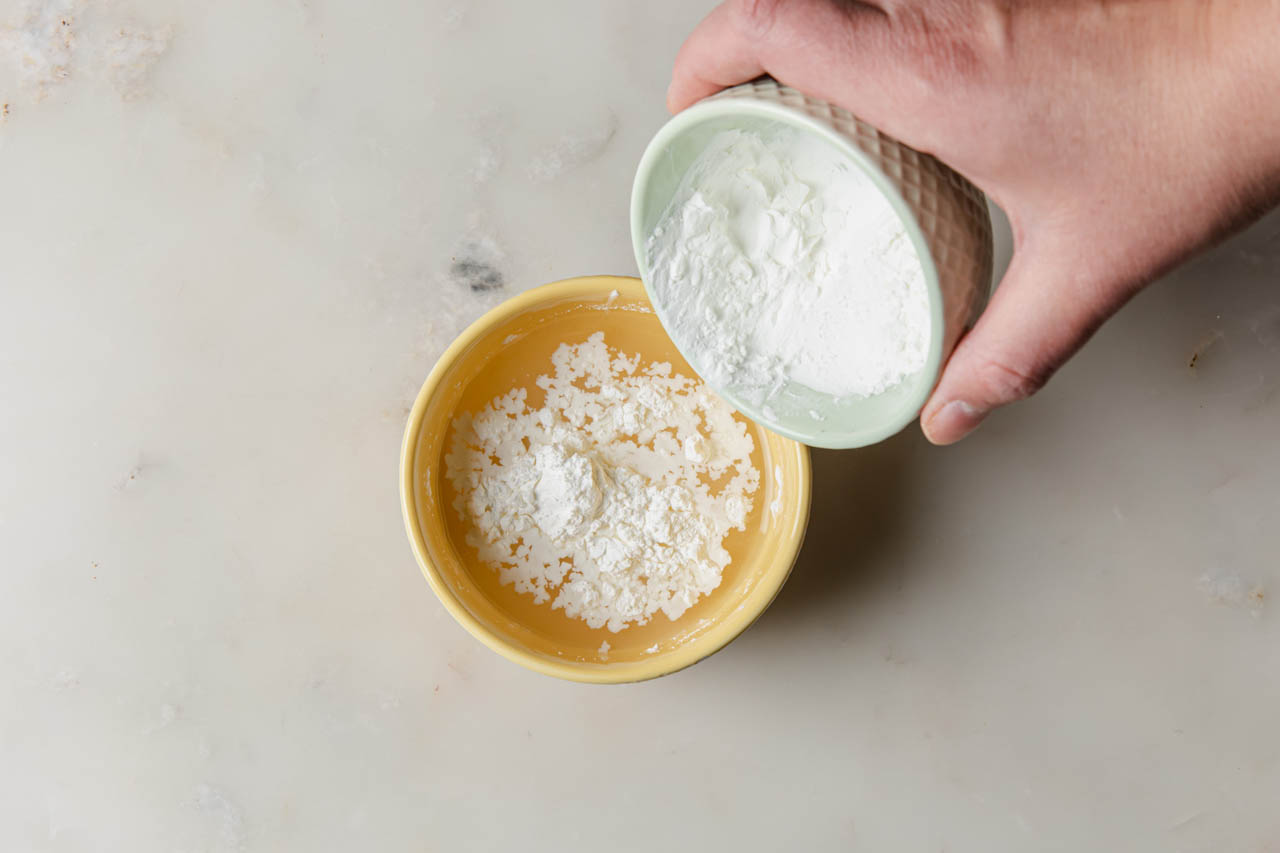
779 261
613 498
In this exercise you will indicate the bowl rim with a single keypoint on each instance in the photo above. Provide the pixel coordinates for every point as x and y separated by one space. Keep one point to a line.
717 635
715 107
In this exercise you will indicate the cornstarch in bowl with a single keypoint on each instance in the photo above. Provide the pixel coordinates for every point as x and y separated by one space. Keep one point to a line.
600 500
813 270
582 502
779 262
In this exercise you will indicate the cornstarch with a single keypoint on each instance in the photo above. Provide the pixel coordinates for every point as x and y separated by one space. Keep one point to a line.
779 261
612 499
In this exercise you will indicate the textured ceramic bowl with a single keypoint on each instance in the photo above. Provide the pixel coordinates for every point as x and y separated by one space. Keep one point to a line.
944 214
508 347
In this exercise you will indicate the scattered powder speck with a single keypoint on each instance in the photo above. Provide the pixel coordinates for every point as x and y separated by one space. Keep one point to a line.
1266 327
65 679
50 43
129 479
603 651
227 818
488 130
42 44
455 16
1233 590
486 163
130 53
572 151
166 716
612 499
306 14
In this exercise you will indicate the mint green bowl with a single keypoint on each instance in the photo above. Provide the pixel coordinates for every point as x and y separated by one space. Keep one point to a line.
945 216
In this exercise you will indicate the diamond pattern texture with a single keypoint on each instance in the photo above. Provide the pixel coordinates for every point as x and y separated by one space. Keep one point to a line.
950 211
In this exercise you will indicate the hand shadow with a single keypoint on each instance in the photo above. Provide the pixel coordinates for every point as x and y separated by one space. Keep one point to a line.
871 505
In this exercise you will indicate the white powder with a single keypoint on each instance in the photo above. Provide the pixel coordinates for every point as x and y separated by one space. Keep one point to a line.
612 499
50 44
780 261
573 151
129 55
43 44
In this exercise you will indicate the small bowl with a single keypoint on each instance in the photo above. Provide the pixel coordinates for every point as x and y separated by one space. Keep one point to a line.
507 347
945 216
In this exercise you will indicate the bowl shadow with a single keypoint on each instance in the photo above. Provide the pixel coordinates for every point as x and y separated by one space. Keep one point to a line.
857 517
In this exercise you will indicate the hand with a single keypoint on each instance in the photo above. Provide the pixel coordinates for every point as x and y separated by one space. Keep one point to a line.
1119 139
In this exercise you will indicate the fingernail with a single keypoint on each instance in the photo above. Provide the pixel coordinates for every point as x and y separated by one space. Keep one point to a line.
952 422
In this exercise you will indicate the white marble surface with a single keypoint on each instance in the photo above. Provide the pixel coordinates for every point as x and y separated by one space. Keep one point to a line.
226 240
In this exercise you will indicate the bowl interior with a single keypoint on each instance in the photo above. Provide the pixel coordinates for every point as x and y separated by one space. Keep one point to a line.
509 348
839 422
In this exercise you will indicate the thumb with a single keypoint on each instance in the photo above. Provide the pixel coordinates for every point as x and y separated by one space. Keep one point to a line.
1042 313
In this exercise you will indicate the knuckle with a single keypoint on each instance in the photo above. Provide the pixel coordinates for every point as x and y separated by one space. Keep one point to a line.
1007 383
946 50
756 17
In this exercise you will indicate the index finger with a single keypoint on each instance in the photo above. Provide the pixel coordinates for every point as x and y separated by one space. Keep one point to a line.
713 57
822 47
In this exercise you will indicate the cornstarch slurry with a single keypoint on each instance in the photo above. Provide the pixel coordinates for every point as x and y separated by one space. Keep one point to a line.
611 500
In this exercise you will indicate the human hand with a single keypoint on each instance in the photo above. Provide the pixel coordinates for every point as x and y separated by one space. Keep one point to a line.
1118 138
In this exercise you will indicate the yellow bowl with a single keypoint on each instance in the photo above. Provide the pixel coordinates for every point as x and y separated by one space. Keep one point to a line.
509 347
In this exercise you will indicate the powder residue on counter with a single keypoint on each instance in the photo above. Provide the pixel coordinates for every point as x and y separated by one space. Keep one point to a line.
612 499
48 44
42 45
129 54
779 261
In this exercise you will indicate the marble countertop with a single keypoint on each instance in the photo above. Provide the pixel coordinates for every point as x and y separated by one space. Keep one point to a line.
233 239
